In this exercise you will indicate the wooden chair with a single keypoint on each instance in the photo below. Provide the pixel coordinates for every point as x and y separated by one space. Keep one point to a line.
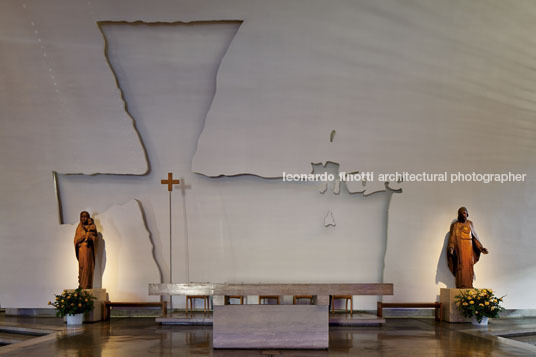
264 297
190 299
345 297
229 297
297 297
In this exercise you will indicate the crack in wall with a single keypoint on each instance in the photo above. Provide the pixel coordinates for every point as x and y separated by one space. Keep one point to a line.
139 180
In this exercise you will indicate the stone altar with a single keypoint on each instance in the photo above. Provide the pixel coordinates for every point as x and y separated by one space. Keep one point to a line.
271 326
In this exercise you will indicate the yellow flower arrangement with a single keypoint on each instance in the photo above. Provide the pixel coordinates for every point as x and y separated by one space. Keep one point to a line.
78 301
479 303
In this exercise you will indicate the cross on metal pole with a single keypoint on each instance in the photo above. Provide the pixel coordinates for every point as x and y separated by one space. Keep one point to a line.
170 182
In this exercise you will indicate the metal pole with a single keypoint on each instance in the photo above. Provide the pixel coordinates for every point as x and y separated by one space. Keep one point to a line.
170 256
187 250
186 236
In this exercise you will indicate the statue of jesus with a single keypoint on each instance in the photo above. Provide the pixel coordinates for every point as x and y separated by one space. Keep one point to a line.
463 250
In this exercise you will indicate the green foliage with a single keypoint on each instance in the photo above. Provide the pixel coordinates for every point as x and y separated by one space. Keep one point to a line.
479 303
73 302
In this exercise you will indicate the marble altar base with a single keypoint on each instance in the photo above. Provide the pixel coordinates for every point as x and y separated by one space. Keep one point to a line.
271 326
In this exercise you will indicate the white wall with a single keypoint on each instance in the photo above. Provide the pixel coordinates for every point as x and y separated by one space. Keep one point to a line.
420 86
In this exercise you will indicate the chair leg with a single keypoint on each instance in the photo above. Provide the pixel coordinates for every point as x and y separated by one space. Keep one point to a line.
351 306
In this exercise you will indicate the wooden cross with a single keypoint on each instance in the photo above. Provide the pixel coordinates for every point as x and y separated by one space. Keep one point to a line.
170 182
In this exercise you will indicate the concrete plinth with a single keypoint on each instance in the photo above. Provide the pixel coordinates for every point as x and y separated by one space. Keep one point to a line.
271 326
97 314
447 297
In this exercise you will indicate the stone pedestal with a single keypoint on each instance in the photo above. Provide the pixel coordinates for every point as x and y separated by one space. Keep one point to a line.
447 297
271 326
98 310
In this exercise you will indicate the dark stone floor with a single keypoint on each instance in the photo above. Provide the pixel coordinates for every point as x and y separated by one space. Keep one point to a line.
398 337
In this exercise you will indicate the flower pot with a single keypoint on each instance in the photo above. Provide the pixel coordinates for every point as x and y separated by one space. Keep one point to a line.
484 321
77 319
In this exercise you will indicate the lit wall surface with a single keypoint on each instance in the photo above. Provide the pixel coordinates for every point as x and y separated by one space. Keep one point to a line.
211 90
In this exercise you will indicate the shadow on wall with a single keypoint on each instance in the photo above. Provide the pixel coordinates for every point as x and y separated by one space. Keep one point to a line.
443 274
100 261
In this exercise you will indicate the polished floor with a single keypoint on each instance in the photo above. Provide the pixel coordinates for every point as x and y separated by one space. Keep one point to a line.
397 337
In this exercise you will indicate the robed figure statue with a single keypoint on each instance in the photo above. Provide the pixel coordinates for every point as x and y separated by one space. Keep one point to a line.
84 246
463 250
